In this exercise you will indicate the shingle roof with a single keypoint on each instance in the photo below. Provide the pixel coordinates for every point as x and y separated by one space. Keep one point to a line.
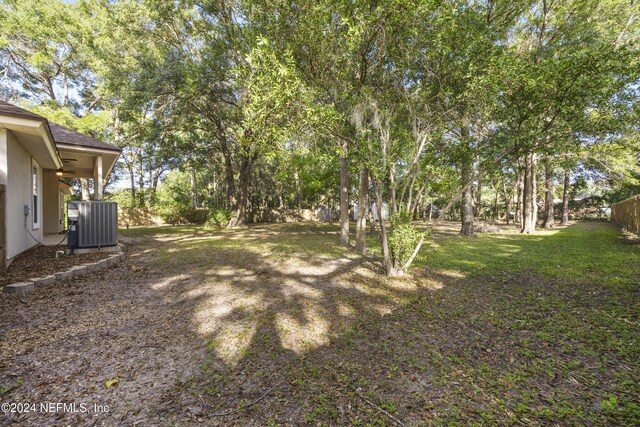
7 109
61 134
64 135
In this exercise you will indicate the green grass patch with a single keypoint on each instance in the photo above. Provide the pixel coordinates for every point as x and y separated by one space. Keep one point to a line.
538 329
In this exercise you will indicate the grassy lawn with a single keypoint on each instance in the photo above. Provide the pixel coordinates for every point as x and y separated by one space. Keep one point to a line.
490 330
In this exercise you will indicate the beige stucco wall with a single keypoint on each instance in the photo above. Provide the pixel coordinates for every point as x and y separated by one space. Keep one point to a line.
50 202
18 176
3 156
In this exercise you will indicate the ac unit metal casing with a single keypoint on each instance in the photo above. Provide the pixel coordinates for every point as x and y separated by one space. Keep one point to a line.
92 224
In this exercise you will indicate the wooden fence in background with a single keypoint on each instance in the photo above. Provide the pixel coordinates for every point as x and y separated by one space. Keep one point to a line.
627 214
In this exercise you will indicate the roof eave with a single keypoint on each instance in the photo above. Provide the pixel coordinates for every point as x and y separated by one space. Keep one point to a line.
69 146
51 143
42 127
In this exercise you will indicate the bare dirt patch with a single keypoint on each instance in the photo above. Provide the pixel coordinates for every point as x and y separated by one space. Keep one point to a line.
41 261
64 342
203 327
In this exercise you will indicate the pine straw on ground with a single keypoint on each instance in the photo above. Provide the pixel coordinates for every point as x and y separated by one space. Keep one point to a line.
41 261
281 326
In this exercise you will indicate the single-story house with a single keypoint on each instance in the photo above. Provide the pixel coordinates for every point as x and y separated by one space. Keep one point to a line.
34 154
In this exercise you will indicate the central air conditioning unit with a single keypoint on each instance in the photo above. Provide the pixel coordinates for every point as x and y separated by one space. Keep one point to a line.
92 224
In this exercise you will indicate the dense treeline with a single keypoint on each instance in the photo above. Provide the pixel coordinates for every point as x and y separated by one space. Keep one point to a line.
472 109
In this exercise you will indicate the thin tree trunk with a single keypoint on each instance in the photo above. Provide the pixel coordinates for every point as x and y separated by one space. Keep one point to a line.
48 82
413 256
548 180
194 189
214 190
386 255
478 202
528 195
134 202
281 199
519 191
361 226
154 182
414 211
140 172
370 216
65 90
298 194
140 166
466 208
84 187
507 201
344 196
535 191
565 195
495 204
392 188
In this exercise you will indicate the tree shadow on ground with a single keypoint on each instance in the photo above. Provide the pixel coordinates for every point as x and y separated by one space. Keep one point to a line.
342 344
252 328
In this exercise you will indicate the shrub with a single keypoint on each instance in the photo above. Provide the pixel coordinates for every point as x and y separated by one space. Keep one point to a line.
218 217
403 240
182 215
125 201
196 216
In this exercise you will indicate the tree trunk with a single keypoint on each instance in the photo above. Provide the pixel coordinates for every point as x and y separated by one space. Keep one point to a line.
140 167
507 201
361 226
565 195
65 90
237 196
548 180
239 209
194 189
298 195
392 188
140 172
133 186
528 195
344 196
477 211
237 200
154 182
281 206
250 209
535 191
496 208
415 209
84 187
466 208
370 217
386 255
519 190
213 194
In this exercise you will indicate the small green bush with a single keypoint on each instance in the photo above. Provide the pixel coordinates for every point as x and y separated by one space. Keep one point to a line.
182 215
125 201
403 239
196 216
218 217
